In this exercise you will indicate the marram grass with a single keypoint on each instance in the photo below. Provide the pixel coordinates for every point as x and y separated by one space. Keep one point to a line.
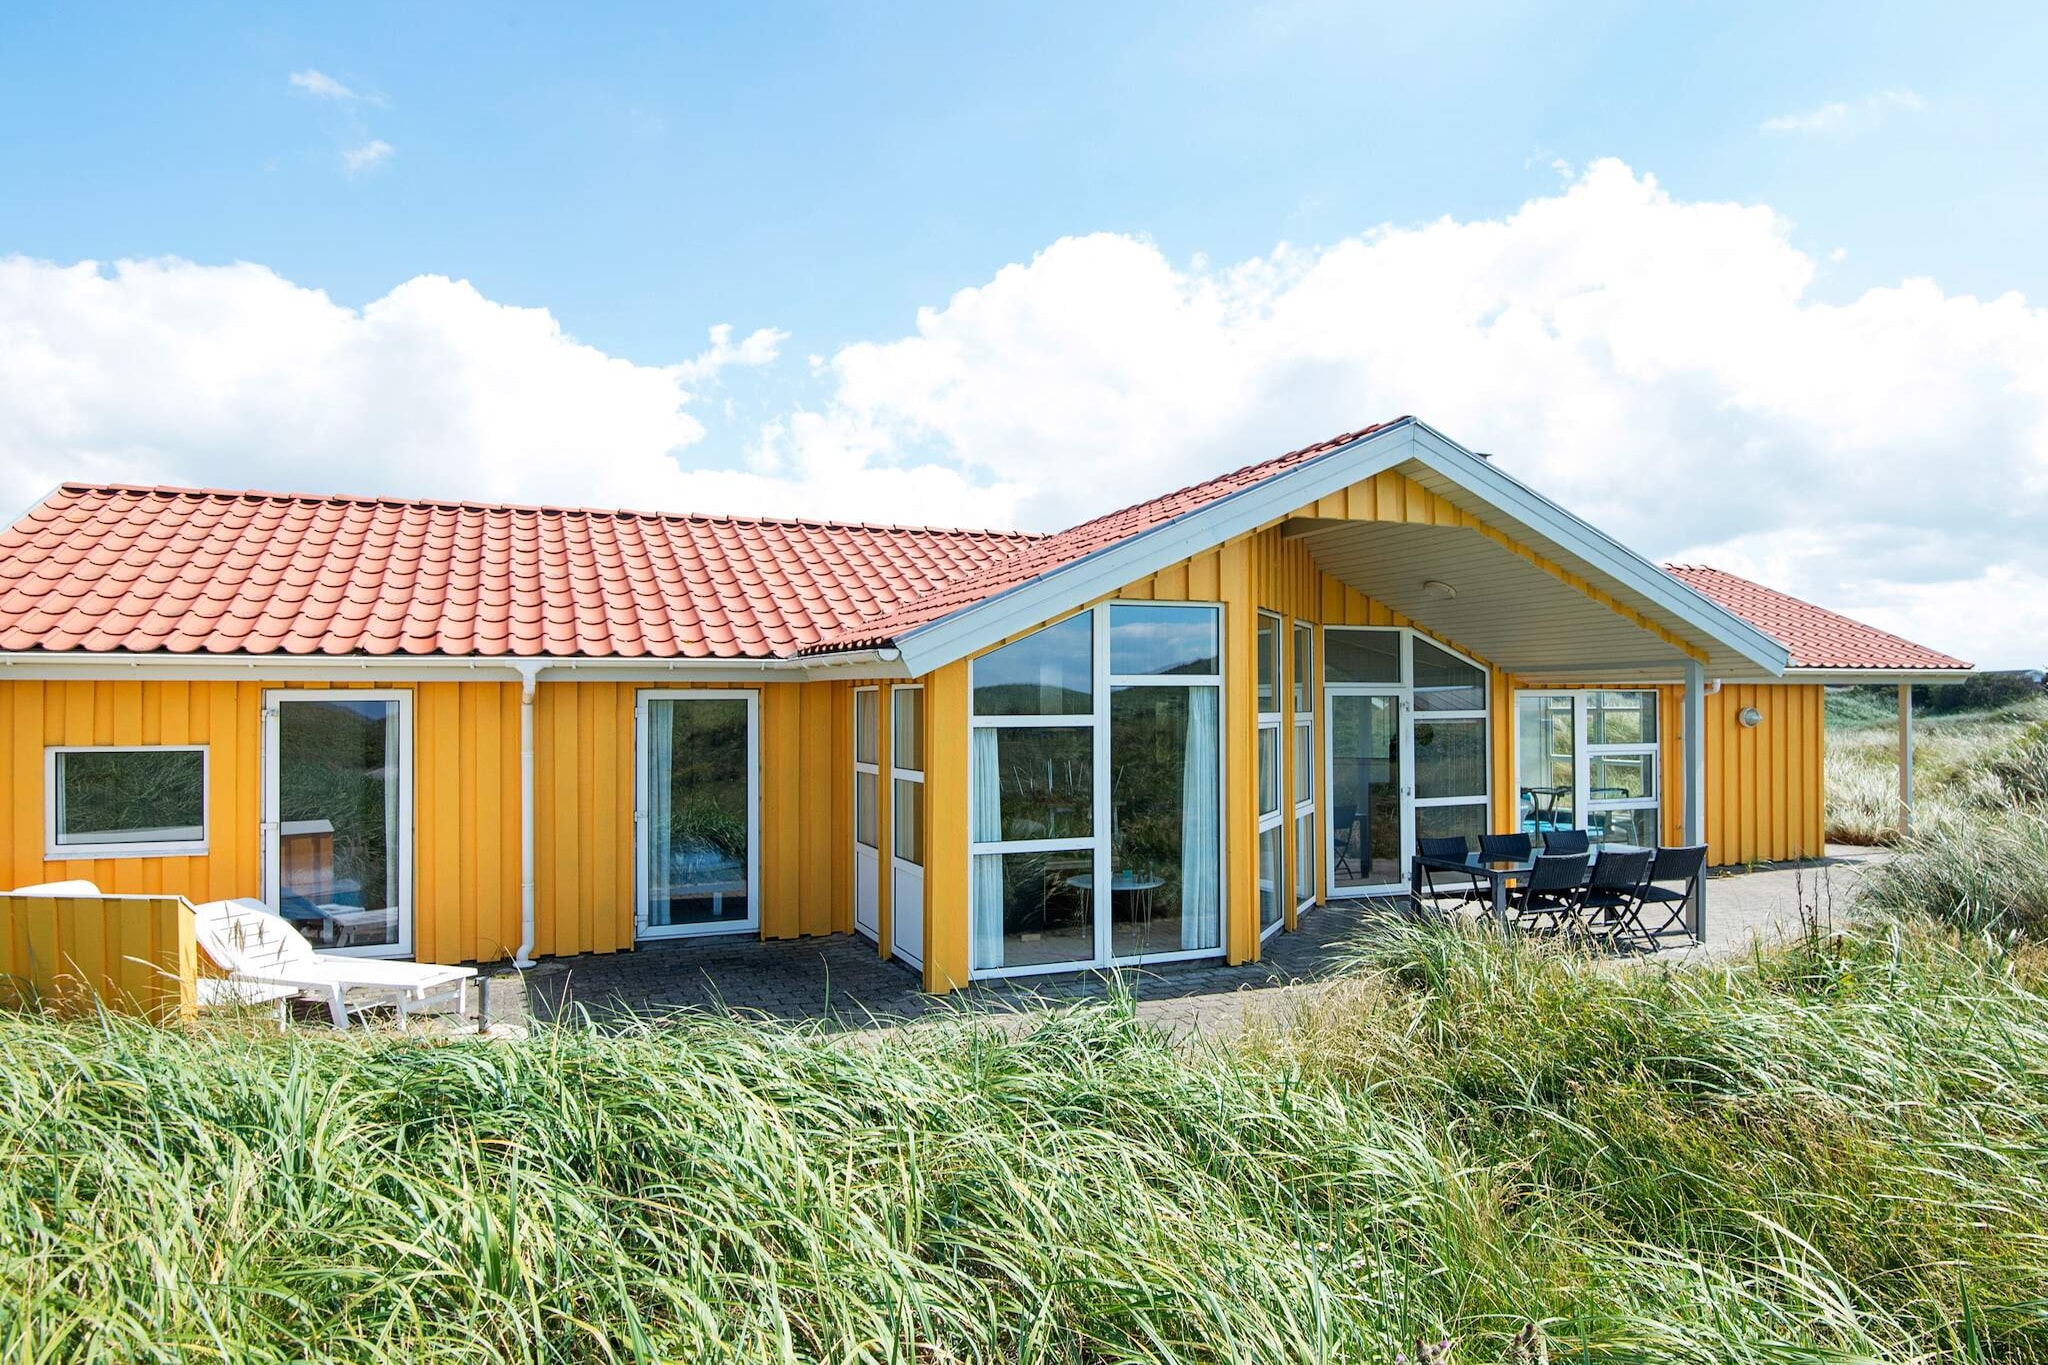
1835 1152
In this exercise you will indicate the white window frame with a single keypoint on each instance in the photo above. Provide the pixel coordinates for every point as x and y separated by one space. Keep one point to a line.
1305 806
57 851
642 847
1403 689
897 774
407 776
899 867
874 771
1583 753
1102 684
1270 725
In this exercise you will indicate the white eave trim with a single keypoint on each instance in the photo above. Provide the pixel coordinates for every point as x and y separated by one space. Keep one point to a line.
63 666
977 626
1859 676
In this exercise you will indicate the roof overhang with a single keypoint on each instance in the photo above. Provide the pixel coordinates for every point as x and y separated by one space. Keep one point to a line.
1661 624
1865 677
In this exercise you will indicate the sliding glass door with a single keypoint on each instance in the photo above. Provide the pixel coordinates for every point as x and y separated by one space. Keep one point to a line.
698 794
1369 792
337 825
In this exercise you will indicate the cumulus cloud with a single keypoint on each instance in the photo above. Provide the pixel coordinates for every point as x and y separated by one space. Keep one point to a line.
1655 364
1845 116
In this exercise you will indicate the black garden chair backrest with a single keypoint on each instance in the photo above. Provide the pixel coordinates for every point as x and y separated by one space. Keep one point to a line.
1492 846
1682 864
1621 871
1566 841
1450 847
1557 872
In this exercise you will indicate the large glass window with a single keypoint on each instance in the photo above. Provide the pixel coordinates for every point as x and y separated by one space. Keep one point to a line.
1269 664
1591 754
1449 728
1358 655
1445 682
1307 866
867 752
114 802
1047 673
1546 761
1131 721
906 744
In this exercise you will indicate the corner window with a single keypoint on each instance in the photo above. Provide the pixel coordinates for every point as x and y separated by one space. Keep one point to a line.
126 802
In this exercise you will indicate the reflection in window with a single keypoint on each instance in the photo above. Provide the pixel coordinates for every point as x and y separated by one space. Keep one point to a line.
1450 758
1621 718
1033 909
1047 673
1162 641
1361 656
1444 682
128 797
1036 782
1165 848
906 728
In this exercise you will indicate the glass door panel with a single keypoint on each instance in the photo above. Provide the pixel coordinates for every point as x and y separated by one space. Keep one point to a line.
697 813
1368 818
338 772
1546 762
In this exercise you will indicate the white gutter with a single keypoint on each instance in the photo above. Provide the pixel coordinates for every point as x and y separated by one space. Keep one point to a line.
58 665
529 679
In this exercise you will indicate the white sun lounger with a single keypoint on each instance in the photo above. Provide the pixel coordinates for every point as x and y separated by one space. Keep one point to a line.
258 948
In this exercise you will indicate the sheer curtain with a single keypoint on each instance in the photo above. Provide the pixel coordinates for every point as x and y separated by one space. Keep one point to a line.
987 890
1201 900
660 796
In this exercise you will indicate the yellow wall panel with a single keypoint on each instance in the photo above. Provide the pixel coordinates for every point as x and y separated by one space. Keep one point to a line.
133 953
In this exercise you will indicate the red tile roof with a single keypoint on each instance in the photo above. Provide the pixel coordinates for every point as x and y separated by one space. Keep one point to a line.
1048 553
1817 637
101 568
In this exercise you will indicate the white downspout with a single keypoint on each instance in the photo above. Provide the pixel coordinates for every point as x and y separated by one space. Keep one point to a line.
529 678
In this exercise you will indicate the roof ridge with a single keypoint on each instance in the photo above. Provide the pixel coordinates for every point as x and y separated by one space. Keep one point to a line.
543 509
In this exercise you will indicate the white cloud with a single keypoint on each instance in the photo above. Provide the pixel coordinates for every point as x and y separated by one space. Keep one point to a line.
1654 364
1842 117
370 155
320 85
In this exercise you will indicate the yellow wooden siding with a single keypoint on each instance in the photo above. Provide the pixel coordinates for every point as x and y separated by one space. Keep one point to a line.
946 831
132 953
1766 799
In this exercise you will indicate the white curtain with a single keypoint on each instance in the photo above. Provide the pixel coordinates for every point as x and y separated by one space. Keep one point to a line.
660 796
1201 898
987 889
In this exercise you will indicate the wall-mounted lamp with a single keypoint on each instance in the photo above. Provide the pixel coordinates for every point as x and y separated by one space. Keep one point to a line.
1750 717
1436 587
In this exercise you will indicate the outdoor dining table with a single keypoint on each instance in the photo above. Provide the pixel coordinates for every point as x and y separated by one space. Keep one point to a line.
1498 872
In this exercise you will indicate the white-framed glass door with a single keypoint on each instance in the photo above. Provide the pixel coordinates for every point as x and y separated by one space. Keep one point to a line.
337 817
1371 797
906 823
697 813
867 807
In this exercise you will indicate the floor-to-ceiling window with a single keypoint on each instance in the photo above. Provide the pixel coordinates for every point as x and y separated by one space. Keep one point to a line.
906 823
1450 743
1589 756
867 825
1095 801
1307 865
1272 873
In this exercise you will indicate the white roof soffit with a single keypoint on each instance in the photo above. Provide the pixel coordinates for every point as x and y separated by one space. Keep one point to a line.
1734 648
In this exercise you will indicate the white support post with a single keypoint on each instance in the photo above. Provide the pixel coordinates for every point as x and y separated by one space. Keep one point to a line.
1693 724
1905 759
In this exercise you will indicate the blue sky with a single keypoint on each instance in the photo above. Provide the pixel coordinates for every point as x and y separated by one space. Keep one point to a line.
811 176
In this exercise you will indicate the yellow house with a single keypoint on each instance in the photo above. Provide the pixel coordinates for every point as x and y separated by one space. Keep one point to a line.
460 732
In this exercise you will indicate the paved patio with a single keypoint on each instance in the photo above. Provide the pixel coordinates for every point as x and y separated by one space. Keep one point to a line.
840 982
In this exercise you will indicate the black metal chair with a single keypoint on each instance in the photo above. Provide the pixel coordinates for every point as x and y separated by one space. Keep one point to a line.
1684 865
1551 890
1499 847
1343 825
1610 905
1567 841
1427 893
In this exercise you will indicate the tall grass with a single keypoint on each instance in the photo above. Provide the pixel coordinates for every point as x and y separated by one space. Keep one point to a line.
1816 1154
1965 765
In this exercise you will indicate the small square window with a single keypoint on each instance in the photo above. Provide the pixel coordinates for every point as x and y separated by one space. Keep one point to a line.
127 802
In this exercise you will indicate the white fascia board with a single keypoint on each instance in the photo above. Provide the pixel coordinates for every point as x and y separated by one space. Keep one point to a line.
977 626
1597 548
1845 677
58 667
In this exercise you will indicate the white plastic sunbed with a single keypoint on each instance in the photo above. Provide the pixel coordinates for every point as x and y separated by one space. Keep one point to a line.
256 947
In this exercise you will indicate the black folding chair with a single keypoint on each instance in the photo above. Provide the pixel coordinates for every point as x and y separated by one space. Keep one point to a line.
1427 893
1502 847
1567 841
1685 866
1343 824
1551 890
1610 905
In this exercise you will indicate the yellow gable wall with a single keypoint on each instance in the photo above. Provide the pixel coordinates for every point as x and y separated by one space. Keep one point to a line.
465 804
